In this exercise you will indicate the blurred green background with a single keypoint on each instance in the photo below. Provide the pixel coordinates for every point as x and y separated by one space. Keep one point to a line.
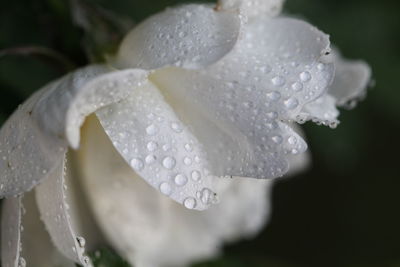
344 211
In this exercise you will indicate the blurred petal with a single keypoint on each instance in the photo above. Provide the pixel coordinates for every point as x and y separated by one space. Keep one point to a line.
54 210
11 232
191 36
37 248
149 136
253 8
151 230
34 138
351 80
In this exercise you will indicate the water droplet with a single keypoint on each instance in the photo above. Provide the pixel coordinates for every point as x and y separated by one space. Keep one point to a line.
272 115
176 127
169 162
151 129
81 241
190 203
292 140
278 81
297 86
180 179
137 164
151 146
188 147
277 139
207 196
291 103
196 175
187 160
274 96
21 262
305 76
321 66
165 188
150 159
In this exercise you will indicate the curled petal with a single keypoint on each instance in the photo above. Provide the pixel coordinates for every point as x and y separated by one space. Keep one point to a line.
191 36
321 111
36 136
11 224
151 138
151 230
240 138
253 8
54 210
351 80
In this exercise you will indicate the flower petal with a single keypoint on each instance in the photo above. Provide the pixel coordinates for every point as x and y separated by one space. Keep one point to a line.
151 230
34 138
191 36
51 200
37 248
321 111
239 137
351 80
148 135
253 8
11 232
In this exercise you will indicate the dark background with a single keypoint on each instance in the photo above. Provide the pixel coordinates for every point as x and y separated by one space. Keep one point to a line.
344 211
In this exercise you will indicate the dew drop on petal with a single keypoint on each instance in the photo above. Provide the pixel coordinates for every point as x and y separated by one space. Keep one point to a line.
169 162
278 81
297 86
196 175
291 103
187 160
207 196
292 140
150 159
274 96
305 76
151 129
190 203
165 188
151 146
277 139
188 147
180 179
137 164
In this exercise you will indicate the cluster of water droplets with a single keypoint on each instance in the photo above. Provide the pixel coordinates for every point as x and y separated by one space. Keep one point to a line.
149 136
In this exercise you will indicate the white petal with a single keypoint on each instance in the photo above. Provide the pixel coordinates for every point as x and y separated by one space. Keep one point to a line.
34 138
151 230
240 140
191 36
150 137
321 111
253 8
37 248
351 80
51 200
11 232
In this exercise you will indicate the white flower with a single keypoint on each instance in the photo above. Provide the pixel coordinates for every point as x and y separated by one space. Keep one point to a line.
195 93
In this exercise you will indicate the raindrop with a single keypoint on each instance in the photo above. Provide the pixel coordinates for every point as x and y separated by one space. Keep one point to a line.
165 188
81 241
278 81
169 162
196 175
297 86
180 179
277 139
151 129
187 160
188 147
190 203
176 127
150 159
291 103
137 164
292 140
207 196
305 76
151 146
274 96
